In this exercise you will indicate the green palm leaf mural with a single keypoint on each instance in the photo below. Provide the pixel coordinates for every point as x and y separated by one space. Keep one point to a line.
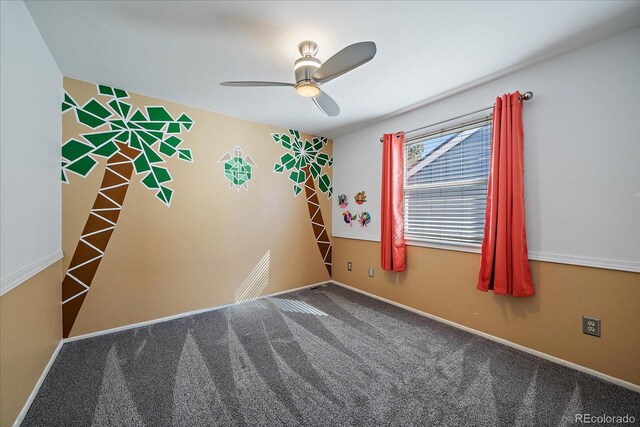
304 162
131 140
152 133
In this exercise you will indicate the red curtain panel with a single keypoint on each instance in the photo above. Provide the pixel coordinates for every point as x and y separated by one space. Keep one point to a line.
393 248
504 266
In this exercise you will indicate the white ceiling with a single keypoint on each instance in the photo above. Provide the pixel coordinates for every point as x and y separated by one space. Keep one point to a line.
181 51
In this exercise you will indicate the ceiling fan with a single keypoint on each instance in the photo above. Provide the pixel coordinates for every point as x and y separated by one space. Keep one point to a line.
310 72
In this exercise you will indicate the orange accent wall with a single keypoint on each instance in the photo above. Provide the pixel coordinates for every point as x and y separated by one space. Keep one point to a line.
212 240
443 283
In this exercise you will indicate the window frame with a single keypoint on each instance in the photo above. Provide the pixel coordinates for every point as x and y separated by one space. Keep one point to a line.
460 246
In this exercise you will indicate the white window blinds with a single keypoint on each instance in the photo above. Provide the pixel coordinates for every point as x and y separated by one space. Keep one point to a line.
445 191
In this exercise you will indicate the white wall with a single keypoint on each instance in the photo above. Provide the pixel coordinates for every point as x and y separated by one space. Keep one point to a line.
31 129
582 154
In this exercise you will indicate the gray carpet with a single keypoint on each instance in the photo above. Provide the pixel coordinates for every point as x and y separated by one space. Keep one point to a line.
320 357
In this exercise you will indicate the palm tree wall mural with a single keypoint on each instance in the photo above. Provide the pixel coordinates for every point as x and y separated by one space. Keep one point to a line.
131 140
304 161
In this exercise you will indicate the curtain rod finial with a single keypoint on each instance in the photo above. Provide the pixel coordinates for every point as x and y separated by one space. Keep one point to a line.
526 96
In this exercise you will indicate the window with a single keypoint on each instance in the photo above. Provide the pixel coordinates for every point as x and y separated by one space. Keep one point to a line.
446 174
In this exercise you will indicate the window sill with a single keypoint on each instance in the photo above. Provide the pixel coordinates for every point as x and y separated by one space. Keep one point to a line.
460 247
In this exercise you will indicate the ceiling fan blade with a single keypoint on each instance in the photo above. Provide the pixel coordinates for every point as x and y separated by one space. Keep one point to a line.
326 104
346 60
255 84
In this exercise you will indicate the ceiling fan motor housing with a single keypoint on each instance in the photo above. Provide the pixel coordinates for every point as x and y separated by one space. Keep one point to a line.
307 65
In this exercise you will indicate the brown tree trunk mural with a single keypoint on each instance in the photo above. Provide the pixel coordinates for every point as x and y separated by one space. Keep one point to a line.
315 214
303 162
96 233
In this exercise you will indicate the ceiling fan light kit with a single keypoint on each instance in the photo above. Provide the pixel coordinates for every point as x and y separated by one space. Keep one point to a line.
307 90
310 72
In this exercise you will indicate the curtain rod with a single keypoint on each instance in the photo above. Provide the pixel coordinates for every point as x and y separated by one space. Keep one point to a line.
524 97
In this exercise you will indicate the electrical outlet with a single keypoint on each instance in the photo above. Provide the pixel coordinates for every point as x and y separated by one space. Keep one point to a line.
591 326
349 266
370 271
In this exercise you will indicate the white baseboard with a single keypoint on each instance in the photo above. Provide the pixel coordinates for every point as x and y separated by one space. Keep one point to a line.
598 374
36 388
28 272
180 315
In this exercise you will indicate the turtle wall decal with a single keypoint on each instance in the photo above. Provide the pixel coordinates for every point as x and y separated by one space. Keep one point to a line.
237 169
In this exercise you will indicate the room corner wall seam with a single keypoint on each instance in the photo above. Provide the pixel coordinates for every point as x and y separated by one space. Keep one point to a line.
563 362
21 276
36 388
